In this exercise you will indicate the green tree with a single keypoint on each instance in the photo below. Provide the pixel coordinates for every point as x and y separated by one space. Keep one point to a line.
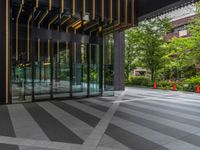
151 44
184 53
194 29
131 51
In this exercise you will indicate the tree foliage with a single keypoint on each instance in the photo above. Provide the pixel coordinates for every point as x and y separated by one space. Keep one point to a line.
147 41
184 52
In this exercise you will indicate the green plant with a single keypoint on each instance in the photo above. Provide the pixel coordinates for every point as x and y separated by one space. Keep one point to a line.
190 84
164 85
140 81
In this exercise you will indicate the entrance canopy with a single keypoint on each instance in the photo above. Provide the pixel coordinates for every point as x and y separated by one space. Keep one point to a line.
151 8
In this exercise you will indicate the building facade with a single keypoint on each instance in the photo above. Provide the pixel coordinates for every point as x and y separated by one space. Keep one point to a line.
59 49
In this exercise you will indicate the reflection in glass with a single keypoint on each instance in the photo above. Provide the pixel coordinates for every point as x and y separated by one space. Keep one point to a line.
61 67
80 66
108 84
94 71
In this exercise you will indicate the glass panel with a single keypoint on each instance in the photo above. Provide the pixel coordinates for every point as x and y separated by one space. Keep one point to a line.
108 88
42 66
94 71
61 71
80 79
21 68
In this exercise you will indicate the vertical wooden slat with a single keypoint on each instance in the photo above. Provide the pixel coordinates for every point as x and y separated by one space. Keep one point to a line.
7 51
62 6
93 9
17 30
133 12
102 10
83 8
50 5
111 11
58 45
73 7
118 12
126 11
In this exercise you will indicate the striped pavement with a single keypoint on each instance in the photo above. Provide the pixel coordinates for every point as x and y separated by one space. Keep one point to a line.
136 119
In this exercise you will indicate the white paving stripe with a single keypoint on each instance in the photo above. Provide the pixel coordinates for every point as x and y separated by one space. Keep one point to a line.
155 108
98 132
42 144
107 141
160 120
170 112
38 143
168 122
151 135
98 114
180 145
186 103
195 110
85 108
99 102
24 125
136 130
77 126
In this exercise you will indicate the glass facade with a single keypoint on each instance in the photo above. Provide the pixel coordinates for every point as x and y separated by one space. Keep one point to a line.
52 59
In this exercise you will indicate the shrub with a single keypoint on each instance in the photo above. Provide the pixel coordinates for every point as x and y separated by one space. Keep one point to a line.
164 85
190 84
140 81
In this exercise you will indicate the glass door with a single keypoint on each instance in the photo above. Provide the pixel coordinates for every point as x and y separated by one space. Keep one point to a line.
42 69
79 70
94 70
108 69
21 69
61 70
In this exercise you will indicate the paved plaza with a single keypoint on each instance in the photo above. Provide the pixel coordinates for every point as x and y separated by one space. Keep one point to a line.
135 119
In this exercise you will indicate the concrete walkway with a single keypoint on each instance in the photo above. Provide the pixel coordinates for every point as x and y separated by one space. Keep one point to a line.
135 119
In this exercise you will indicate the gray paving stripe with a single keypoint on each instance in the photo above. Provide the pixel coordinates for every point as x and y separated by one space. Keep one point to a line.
77 126
80 123
164 115
24 125
94 105
99 103
6 128
55 130
40 144
170 107
194 101
104 99
30 144
179 145
8 147
129 139
180 103
161 120
170 131
108 142
78 113
134 96
189 103
33 148
98 114
147 133
93 111
89 110
98 132
171 112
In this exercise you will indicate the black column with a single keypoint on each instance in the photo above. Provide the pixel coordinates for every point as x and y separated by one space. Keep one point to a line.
3 50
119 49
